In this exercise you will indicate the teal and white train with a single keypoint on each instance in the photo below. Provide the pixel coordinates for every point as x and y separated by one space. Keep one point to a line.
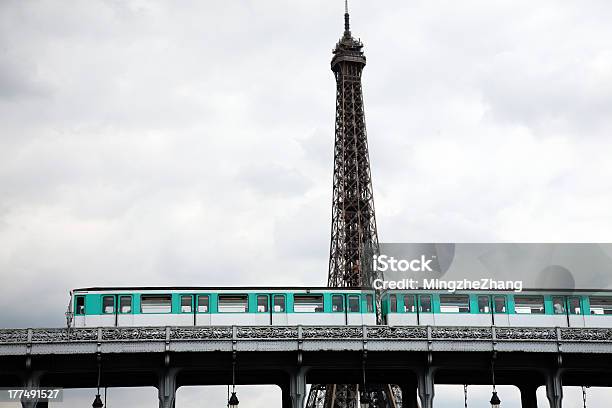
202 306
529 308
260 306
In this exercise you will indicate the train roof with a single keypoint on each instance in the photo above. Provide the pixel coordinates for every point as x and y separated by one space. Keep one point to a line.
321 288
213 288
539 290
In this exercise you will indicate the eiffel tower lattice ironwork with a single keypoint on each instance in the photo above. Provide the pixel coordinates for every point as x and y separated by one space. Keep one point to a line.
353 234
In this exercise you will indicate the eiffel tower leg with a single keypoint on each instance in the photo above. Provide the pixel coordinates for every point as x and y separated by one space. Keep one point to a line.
426 387
297 388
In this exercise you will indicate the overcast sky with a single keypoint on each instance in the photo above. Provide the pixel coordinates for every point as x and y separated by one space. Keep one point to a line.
190 143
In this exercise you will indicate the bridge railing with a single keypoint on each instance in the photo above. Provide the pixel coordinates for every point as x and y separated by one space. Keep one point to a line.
300 333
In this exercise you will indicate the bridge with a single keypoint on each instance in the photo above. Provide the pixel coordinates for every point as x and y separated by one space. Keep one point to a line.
414 358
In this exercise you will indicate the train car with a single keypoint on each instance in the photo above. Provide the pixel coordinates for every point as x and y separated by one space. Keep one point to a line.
205 306
529 308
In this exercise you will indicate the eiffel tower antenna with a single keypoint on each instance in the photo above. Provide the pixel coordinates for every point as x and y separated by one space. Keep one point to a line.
347 24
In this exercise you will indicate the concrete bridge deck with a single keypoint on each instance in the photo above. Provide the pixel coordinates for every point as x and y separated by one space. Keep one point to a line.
413 357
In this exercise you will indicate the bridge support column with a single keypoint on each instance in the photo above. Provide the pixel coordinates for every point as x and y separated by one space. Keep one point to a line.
297 388
529 398
167 388
286 395
426 387
33 381
554 389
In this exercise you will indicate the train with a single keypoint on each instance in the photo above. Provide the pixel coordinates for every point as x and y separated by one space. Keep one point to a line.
290 306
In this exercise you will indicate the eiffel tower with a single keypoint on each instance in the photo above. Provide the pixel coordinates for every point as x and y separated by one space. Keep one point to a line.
353 233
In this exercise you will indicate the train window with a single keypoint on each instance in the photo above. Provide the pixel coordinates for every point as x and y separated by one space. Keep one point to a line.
80 305
483 304
393 303
425 301
262 303
370 303
203 304
279 303
337 303
500 304
601 305
558 305
186 304
308 303
529 304
156 304
454 303
353 304
409 304
108 304
574 306
233 304
125 304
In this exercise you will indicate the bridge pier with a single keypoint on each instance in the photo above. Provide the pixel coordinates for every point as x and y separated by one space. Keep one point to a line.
167 388
529 398
297 388
33 404
426 387
554 388
32 381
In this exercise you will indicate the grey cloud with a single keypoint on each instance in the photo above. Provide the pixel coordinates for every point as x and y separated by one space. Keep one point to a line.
271 179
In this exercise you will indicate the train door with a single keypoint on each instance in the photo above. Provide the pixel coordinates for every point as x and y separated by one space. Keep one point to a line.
338 316
125 310
264 311
187 311
279 310
485 316
426 316
202 311
80 318
109 311
560 312
500 311
353 310
575 308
